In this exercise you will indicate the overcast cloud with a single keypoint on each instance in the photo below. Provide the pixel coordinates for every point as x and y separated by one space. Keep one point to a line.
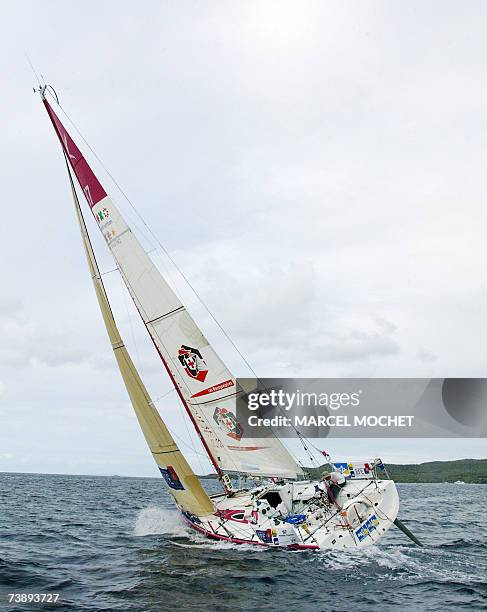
317 169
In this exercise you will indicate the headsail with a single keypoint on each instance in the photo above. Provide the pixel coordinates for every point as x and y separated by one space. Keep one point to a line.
208 390
183 483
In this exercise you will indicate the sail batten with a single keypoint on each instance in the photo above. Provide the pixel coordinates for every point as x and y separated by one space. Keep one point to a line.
207 389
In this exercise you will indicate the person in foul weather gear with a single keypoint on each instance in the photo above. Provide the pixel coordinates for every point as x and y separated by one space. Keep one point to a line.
337 482
332 483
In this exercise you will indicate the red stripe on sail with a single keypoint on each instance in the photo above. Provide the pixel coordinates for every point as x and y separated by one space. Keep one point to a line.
214 388
246 448
90 185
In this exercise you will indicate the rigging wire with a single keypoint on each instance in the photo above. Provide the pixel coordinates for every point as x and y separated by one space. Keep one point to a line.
109 271
190 437
172 390
197 453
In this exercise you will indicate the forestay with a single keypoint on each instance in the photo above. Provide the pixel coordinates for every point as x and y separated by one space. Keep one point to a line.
206 387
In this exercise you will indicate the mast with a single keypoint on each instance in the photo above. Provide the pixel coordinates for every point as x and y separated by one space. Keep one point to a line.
181 480
94 192
207 389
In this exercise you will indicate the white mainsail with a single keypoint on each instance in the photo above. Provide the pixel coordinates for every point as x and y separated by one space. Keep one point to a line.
207 388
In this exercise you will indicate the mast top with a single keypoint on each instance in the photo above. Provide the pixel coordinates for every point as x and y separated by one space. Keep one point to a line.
42 90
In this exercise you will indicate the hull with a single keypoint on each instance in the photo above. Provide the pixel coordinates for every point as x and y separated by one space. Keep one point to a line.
301 516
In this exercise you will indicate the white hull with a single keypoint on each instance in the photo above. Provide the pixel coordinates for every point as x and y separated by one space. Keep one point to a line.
361 512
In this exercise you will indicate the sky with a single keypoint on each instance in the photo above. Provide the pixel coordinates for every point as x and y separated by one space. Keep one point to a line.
316 169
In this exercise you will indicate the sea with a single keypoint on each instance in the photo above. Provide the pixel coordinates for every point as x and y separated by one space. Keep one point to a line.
115 543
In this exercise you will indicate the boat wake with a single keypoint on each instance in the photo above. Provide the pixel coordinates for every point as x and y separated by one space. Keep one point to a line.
403 563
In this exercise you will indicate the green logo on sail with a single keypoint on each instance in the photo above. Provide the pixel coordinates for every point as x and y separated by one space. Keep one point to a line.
102 214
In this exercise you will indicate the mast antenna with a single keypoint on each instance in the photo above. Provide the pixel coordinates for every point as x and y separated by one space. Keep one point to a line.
42 88
39 78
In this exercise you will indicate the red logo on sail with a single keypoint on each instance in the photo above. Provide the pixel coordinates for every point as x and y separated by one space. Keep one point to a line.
193 362
227 420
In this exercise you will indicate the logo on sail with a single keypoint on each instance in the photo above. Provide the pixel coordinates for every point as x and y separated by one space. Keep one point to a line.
227 420
172 479
193 362
102 214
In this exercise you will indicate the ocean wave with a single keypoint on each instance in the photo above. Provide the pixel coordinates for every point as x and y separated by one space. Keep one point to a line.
105 555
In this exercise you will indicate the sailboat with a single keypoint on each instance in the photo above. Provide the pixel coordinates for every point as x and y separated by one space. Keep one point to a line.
351 507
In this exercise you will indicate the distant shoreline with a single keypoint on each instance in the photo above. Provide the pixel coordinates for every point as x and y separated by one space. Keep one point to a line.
468 471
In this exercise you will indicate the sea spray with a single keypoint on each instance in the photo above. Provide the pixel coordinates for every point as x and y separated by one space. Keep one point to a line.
155 520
